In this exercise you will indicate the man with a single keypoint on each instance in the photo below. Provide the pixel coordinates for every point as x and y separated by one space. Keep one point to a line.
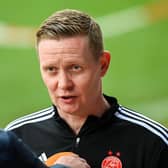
82 120
15 154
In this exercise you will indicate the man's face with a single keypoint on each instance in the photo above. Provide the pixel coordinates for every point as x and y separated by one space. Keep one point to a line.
71 74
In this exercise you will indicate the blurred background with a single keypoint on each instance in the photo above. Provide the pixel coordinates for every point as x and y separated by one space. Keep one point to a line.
135 32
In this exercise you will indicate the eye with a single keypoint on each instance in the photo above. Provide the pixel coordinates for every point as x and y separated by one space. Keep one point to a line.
76 68
51 69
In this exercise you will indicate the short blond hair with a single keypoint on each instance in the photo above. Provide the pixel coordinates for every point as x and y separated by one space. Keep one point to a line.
69 23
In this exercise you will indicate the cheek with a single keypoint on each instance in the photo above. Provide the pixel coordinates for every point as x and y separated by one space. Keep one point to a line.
89 83
49 83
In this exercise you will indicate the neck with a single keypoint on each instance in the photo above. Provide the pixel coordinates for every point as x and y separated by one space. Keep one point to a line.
101 106
76 121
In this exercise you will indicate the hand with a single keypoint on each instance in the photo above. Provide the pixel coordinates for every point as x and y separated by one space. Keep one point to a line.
73 161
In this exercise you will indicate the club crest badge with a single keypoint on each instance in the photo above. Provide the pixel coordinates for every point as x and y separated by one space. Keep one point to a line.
111 162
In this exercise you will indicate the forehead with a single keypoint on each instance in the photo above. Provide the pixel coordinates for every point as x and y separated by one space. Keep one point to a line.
81 42
70 48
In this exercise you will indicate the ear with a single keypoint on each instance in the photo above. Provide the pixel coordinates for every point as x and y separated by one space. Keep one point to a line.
105 62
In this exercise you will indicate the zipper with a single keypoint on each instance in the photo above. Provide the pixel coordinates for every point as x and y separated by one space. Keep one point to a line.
77 142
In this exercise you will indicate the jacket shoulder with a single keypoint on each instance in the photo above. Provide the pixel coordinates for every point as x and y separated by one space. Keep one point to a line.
35 117
144 122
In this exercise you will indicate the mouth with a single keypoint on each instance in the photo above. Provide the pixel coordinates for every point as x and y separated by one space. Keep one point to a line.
67 99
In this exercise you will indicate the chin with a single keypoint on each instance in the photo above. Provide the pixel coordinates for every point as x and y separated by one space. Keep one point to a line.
68 110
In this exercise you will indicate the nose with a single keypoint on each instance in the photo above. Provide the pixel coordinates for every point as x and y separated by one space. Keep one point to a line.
65 81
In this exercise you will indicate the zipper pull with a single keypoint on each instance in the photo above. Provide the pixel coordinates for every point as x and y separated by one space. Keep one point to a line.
77 142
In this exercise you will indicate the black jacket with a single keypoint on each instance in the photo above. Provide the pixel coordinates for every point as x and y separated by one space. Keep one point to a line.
121 136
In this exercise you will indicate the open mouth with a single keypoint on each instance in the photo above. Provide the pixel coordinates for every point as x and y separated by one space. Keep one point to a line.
68 99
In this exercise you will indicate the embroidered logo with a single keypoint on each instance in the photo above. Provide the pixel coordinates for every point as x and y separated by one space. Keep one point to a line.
112 161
